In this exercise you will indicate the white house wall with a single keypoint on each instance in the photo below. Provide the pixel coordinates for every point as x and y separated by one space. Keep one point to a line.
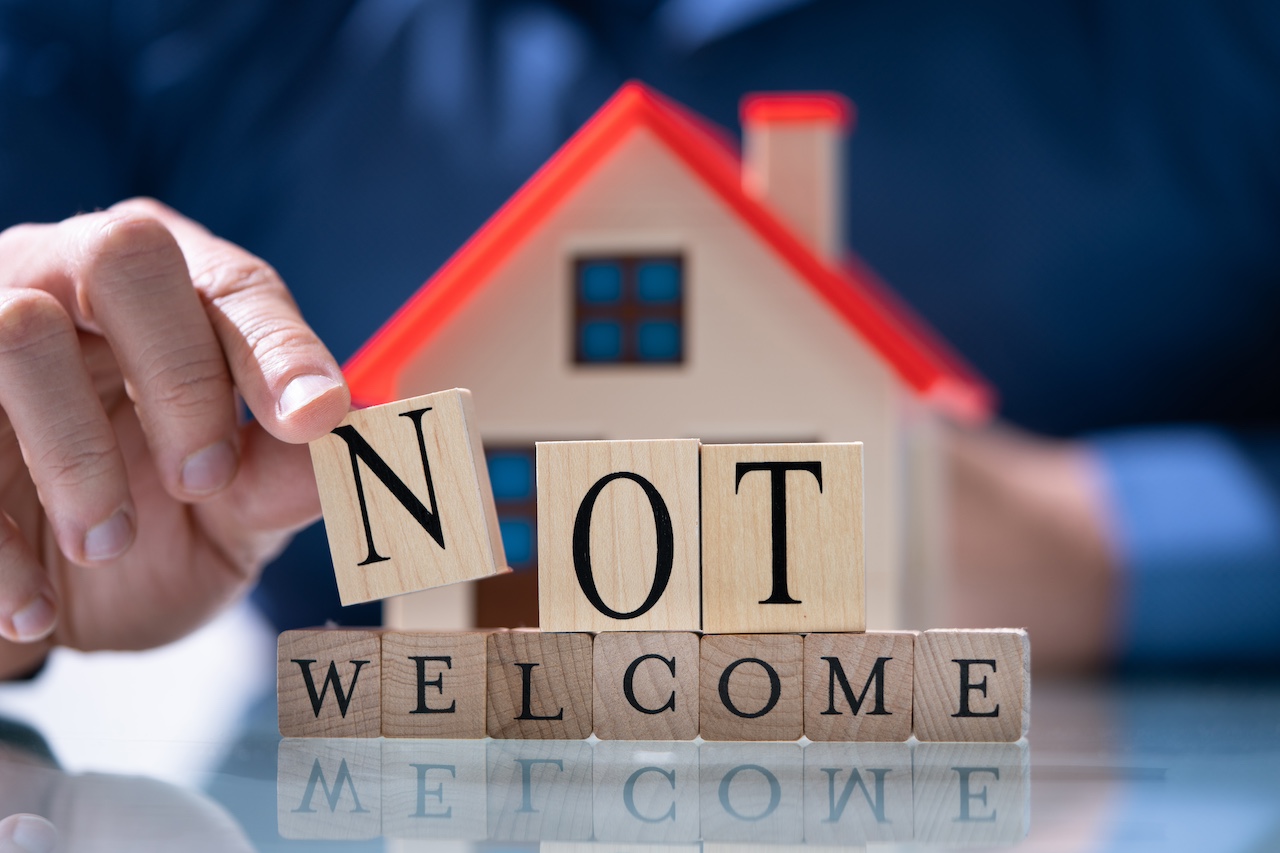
765 358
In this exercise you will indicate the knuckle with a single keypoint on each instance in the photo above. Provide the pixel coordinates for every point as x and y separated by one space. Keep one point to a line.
127 247
80 458
275 339
29 321
240 277
192 382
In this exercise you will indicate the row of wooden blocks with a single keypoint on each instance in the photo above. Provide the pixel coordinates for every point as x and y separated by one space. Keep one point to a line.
658 535
595 798
939 685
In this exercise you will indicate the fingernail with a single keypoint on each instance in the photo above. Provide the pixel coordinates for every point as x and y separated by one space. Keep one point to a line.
34 620
33 834
109 539
208 470
302 390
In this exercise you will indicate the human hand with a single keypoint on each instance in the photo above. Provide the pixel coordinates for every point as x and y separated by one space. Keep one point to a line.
1029 544
135 505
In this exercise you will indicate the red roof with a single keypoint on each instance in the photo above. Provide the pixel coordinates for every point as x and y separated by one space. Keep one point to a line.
923 361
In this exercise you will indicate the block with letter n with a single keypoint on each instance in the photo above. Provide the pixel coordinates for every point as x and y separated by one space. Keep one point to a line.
406 498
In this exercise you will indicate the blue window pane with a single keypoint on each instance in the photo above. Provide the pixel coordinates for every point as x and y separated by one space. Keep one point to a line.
511 474
601 282
601 341
658 281
658 340
517 540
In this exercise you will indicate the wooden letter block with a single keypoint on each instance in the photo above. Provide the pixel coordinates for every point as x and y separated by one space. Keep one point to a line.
433 684
434 790
646 686
406 498
972 794
855 794
782 543
618 535
329 789
751 687
751 793
972 685
858 687
539 790
646 793
539 685
329 683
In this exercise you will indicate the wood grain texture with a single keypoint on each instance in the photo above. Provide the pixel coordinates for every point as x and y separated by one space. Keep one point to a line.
641 664
539 685
751 687
434 790
329 683
971 794
972 685
646 793
442 695
407 554
329 790
857 793
746 538
623 519
539 791
873 671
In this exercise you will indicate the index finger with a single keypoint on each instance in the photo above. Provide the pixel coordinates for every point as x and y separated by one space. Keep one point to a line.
288 378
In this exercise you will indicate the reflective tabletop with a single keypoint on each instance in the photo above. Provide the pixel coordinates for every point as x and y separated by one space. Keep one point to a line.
178 749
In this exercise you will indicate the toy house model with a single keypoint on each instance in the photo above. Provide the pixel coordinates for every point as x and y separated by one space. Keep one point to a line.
647 283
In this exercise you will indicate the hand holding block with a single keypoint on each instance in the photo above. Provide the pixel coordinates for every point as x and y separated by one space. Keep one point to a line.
782 541
618 535
858 687
972 685
433 684
751 687
539 685
406 498
328 683
646 686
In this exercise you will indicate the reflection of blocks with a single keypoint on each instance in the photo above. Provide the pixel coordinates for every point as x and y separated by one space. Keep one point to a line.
539 685
539 790
434 790
972 685
858 687
329 789
328 683
782 542
751 793
406 498
618 535
646 792
972 794
857 793
750 687
433 685
646 686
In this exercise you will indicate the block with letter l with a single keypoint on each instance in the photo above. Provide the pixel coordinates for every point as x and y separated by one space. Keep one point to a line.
539 685
972 685
328 683
782 538
406 498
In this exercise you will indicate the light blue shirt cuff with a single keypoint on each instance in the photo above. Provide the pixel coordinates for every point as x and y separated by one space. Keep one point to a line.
1197 535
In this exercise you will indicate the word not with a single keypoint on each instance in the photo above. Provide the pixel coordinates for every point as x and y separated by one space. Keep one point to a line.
956 685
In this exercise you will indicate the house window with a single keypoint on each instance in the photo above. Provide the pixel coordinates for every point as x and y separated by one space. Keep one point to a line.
515 497
628 309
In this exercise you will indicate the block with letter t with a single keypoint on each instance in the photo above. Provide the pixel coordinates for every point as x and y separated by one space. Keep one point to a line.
406 498
618 535
972 685
782 538
329 683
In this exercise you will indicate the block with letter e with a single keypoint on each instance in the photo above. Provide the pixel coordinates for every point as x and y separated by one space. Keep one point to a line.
972 685
328 683
406 498
433 684
782 538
